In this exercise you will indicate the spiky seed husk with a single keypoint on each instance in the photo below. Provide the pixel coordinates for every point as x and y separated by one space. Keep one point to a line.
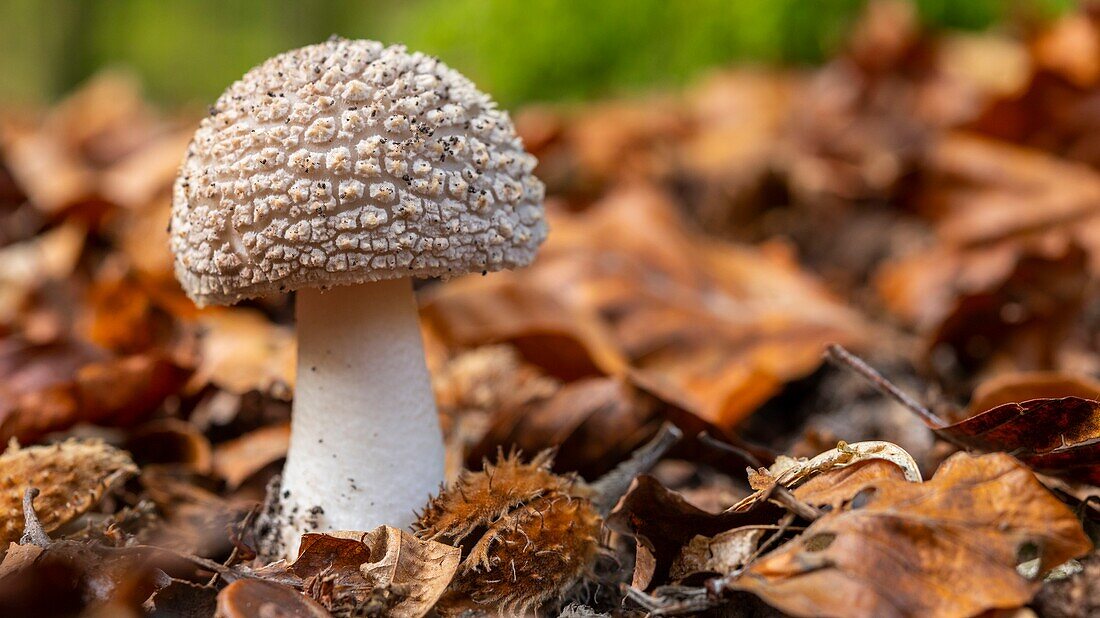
537 532
71 476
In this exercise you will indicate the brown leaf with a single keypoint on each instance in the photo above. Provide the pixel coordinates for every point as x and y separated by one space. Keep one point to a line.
240 458
72 477
49 387
575 420
171 441
1058 436
713 328
662 522
242 351
387 569
835 487
417 572
1017 387
722 553
947 547
254 598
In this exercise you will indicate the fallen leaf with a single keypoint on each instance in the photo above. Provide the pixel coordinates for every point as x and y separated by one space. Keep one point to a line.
385 571
49 387
711 327
238 459
575 420
1057 436
417 572
242 351
255 598
720 554
662 522
835 487
961 535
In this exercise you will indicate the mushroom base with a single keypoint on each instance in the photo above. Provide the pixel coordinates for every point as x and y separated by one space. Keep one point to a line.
365 445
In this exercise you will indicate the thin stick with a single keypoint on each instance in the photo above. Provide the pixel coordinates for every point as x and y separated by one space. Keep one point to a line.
841 357
783 497
611 486
726 447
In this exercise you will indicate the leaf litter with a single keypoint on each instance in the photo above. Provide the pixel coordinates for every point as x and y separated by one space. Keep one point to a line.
927 199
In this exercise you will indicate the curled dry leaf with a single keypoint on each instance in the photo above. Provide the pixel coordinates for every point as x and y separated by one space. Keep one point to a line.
415 572
722 553
1048 420
1058 436
662 522
382 572
71 476
255 598
790 472
961 535
527 534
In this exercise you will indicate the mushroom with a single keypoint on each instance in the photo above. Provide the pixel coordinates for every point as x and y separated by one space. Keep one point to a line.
343 170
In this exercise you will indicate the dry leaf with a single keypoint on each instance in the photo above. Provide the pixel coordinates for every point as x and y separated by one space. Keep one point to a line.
382 572
50 387
662 522
238 459
416 572
721 554
72 477
1055 436
575 420
255 598
713 328
242 351
947 547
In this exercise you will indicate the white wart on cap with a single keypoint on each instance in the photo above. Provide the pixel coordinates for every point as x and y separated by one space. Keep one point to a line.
347 162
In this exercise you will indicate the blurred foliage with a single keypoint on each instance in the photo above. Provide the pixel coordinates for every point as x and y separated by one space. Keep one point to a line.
519 50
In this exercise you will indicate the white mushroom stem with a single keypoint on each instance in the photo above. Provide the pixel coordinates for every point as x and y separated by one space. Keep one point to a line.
365 442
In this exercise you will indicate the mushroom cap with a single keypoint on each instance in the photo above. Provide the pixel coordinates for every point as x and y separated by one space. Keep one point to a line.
347 162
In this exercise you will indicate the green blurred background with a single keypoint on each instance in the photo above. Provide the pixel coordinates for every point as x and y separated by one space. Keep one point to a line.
187 51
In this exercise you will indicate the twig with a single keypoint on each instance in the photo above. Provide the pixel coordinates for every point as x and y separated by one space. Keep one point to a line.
841 357
726 447
611 486
33 532
783 496
695 600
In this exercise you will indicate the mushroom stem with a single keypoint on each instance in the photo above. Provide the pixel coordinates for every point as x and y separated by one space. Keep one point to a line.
365 444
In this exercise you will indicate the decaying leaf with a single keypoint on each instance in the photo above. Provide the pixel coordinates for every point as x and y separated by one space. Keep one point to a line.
575 420
662 522
947 547
1059 436
627 289
238 459
414 572
537 532
722 553
256 598
71 476
49 387
382 572
242 351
